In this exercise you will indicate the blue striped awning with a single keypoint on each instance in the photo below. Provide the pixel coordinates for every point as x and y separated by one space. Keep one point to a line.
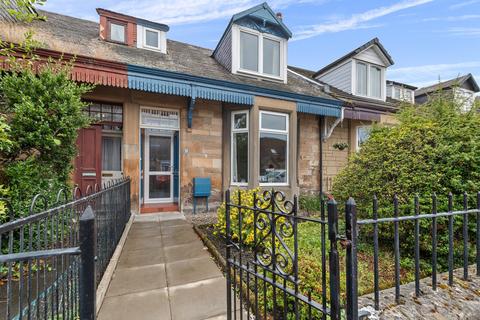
320 109
187 89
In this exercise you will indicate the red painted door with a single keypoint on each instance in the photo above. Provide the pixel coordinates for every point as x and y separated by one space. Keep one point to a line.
88 164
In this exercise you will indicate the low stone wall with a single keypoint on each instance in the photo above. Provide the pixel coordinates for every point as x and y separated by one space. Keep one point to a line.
462 301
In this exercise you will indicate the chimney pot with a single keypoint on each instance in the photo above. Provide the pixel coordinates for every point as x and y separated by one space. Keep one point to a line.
280 16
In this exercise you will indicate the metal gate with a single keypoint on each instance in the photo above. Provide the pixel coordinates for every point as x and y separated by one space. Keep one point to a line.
263 276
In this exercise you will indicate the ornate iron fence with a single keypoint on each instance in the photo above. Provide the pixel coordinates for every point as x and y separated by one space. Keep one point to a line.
264 274
52 259
264 277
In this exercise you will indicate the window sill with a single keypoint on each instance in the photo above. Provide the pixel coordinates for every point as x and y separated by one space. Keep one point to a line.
259 75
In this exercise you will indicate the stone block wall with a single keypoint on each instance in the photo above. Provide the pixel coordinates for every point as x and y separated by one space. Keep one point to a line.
333 159
309 154
201 150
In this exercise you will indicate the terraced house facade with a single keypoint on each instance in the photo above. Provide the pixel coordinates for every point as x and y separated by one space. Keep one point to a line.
169 112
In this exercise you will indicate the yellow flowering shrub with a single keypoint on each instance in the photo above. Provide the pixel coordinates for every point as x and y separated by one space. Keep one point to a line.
247 232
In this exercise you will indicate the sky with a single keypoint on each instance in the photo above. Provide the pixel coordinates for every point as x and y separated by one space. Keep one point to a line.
429 40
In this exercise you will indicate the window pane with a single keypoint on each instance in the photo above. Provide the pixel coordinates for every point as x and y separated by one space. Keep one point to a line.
408 95
271 57
248 51
273 158
159 186
151 38
362 135
160 154
111 153
117 32
240 121
376 82
397 93
240 157
274 121
362 79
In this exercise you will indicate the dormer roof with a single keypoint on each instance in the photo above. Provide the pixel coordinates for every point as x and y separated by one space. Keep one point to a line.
460 81
400 84
124 17
375 42
261 18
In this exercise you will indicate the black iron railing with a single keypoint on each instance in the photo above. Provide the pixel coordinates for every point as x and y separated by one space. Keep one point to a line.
52 259
368 231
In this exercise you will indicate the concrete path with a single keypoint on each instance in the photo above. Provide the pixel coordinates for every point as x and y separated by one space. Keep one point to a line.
164 272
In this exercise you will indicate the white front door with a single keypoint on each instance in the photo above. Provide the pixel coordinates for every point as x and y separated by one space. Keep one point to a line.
158 166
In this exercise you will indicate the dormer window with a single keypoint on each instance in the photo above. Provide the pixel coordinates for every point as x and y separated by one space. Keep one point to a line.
118 31
369 80
152 38
259 54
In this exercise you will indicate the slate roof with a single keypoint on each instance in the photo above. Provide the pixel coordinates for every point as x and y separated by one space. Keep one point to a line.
374 41
459 81
81 37
390 105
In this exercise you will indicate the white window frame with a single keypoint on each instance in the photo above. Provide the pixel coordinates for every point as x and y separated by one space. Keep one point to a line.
233 131
357 140
382 80
120 24
145 45
236 68
287 132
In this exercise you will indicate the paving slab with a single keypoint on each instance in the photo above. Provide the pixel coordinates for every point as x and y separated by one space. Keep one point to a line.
139 279
143 243
198 300
186 271
164 272
147 305
141 257
185 251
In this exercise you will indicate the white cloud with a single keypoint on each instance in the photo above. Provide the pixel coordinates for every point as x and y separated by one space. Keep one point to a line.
425 75
187 11
454 18
356 21
463 4
464 32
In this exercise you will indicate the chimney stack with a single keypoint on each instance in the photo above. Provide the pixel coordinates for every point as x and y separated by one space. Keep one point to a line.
280 16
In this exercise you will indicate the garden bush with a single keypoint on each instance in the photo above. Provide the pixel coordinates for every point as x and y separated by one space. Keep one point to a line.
43 112
434 148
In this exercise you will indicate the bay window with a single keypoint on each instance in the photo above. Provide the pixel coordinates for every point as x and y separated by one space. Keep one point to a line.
273 148
239 147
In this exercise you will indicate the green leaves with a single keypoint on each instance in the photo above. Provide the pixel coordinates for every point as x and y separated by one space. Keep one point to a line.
42 113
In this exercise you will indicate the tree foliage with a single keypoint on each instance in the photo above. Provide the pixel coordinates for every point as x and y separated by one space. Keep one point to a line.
434 148
43 110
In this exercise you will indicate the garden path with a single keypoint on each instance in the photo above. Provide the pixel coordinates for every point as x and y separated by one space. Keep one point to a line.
164 272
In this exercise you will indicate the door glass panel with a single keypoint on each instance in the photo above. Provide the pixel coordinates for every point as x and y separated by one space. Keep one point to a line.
159 186
160 154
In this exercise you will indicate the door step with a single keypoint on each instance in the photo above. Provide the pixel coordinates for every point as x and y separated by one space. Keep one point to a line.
159 207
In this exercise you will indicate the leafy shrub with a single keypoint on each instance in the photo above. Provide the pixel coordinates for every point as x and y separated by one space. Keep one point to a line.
43 112
309 203
433 149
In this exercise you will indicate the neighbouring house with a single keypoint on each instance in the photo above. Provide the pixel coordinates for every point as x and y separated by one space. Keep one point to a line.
358 80
463 89
401 91
169 111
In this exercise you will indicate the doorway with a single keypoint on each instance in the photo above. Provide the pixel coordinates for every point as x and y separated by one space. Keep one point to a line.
159 166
